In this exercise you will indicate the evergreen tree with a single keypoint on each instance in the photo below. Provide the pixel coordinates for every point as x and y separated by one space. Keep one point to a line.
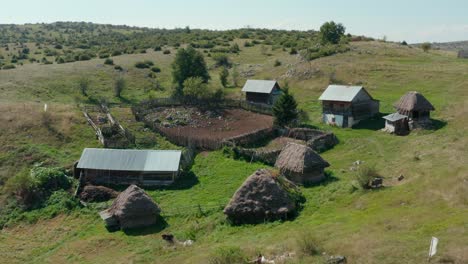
223 76
285 109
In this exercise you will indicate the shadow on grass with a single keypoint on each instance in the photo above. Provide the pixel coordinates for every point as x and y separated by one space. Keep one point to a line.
185 181
160 225
437 124
329 178
375 123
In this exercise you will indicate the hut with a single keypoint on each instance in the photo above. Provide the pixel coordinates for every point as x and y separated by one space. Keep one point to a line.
463 54
301 164
261 91
416 107
125 167
396 123
345 106
131 209
261 197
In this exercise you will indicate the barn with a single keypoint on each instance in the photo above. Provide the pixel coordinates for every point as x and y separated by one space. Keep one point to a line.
463 54
416 107
261 91
128 166
345 106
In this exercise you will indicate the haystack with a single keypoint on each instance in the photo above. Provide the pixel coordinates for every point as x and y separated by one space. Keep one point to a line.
413 101
301 164
261 197
132 208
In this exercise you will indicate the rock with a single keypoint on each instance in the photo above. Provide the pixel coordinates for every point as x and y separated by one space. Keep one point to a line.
401 177
358 162
337 260
377 182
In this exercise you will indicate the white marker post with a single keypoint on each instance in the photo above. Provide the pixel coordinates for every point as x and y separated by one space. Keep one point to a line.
433 248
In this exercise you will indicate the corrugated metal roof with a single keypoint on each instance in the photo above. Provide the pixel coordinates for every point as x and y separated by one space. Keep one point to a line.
394 117
340 93
259 86
130 160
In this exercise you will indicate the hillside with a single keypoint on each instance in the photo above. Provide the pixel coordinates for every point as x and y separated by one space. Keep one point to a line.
391 225
450 46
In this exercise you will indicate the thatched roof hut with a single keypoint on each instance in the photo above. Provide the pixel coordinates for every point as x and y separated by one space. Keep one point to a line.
416 107
132 208
261 197
301 164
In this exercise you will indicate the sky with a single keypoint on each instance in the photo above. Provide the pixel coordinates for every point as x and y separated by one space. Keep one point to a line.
411 20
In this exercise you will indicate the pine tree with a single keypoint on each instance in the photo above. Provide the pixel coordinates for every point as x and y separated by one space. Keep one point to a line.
285 109
223 76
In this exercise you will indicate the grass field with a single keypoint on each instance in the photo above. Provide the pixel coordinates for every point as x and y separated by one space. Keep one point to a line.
392 225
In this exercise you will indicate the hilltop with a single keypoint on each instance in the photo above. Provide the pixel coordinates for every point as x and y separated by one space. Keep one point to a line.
391 225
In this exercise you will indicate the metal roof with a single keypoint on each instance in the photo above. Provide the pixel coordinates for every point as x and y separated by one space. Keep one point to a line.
394 117
259 86
340 93
130 160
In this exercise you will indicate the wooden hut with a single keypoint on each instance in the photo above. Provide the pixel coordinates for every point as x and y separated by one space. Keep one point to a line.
128 166
261 91
416 107
396 123
301 164
345 106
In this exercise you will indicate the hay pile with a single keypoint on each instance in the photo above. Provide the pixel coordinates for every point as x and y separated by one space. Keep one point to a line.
133 208
413 101
261 197
301 164
93 193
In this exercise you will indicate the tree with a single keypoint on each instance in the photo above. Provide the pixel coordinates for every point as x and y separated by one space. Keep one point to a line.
223 76
83 85
426 46
285 109
235 76
195 88
330 32
119 86
188 63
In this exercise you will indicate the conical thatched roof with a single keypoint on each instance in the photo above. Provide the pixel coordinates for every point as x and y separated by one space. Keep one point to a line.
134 208
299 158
413 101
261 197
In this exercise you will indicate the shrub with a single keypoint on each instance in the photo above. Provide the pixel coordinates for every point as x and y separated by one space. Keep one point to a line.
119 86
166 52
8 67
118 68
144 64
103 55
83 85
293 51
84 57
331 32
306 244
228 255
157 48
109 61
365 174
285 109
60 60
222 60
277 63
426 46
155 69
116 53
188 63
223 76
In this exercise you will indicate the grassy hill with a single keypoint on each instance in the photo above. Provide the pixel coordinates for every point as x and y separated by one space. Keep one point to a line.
391 225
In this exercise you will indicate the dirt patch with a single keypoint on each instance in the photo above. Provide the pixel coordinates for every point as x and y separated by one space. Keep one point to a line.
190 122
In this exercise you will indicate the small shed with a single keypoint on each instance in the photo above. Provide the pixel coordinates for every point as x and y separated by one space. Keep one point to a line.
129 166
416 107
300 164
396 123
345 106
261 91
463 54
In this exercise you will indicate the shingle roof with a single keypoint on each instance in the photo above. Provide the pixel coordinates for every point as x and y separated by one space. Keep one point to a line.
413 101
341 93
259 86
394 117
130 160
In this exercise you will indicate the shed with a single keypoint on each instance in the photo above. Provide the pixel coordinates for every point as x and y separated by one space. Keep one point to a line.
396 123
463 54
345 106
416 107
129 166
301 164
261 91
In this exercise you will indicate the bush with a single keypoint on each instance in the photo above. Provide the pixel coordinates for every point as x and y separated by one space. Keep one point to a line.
119 86
365 174
103 55
144 64
277 63
157 48
306 244
155 69
285 109
426 46
293 51
331 32
166 52
116 53
118 68
228 255
222 60
8 67
109 61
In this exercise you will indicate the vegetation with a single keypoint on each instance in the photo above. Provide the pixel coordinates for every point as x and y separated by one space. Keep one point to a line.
83 85
426 46
331 32
223 76
188 63
365 174
119 86
285 109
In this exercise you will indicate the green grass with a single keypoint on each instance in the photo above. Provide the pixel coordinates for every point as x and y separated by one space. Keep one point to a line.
392 225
